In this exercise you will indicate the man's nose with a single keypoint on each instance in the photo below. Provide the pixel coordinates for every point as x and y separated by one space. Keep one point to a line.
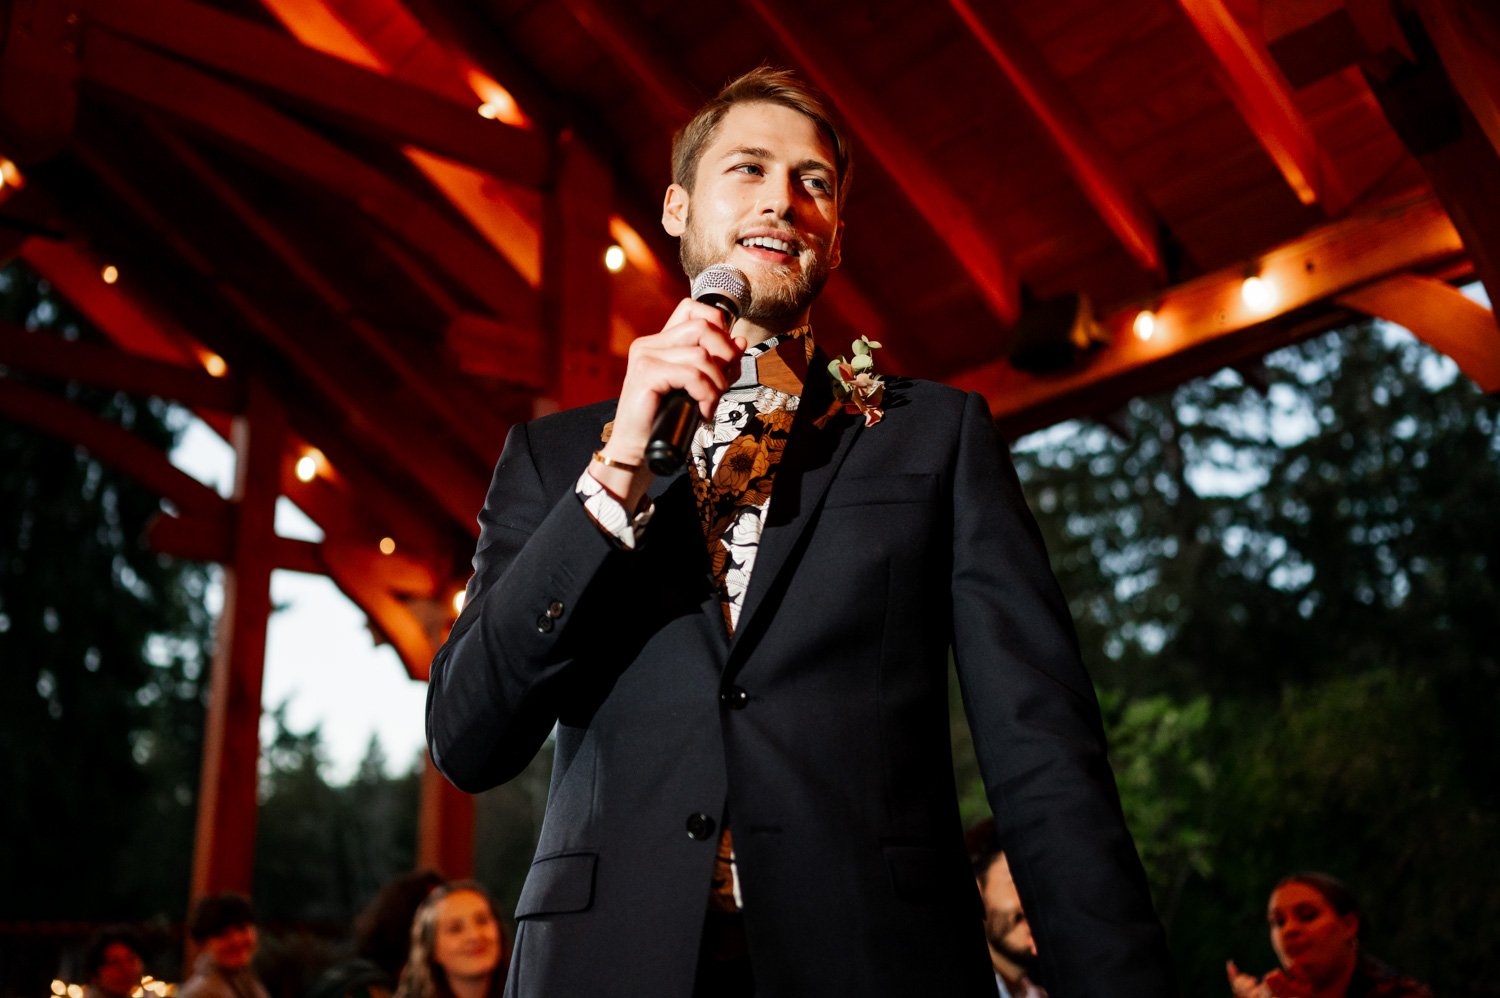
776 197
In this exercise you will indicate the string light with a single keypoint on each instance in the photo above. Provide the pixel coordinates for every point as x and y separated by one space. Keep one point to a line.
10 175
614 259
309 464
1258 293
458 601
388 545
110 274
1144 325
214 365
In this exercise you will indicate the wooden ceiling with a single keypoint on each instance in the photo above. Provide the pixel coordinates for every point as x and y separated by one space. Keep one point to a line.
307 190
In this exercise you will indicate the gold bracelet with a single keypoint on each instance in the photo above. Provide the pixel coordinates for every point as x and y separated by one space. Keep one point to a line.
611 463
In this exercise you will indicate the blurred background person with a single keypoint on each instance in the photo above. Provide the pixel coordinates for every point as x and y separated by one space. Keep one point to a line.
222 926
459 947
112 964
1315 927
1012 948
382 940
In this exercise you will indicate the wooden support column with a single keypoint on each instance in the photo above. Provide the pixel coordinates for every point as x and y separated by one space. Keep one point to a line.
445 834
575 284
224 851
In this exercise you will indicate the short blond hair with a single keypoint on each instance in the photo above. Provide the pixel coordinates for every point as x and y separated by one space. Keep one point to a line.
766 85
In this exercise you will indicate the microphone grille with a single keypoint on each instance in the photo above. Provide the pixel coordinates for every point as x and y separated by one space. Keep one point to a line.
727 284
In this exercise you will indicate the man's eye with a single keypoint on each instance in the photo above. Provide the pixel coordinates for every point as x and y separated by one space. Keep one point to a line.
819 184
751 168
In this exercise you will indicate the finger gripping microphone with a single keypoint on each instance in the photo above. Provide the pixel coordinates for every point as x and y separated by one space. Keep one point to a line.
727 289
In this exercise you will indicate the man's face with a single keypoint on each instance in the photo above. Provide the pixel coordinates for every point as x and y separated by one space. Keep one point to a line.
233 948
1005 924
120 973
764 200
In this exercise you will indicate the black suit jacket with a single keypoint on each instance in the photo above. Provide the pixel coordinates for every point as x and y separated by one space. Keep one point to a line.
821 729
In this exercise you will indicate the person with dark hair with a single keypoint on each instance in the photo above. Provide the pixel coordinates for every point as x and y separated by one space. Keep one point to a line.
745 663
1006 927
459 947
382 939
112 964
1315 925
222 926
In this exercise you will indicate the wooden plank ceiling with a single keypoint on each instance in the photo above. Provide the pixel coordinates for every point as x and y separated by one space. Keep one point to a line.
393 213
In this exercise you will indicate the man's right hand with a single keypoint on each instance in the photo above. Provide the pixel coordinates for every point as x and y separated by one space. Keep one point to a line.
694 352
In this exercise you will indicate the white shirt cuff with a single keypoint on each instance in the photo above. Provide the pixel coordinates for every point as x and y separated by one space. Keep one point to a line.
610 514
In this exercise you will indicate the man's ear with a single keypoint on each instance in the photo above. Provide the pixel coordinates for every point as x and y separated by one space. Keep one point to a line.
674 210
836 251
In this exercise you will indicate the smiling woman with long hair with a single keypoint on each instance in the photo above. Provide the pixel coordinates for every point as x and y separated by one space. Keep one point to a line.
459 947
1315 924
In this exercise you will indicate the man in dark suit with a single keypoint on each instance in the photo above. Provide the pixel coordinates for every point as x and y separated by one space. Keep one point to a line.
746 664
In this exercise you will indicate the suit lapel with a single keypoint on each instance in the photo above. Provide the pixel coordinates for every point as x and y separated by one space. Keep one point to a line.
807 468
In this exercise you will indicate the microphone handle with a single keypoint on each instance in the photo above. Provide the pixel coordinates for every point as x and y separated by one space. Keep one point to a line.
677 416
672 434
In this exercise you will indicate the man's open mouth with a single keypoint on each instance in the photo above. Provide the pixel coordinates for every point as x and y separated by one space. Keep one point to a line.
771 243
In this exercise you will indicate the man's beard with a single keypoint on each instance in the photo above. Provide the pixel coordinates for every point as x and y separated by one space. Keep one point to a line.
776 293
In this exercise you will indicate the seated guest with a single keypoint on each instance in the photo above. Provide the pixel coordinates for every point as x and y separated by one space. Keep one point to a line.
112 964
1315 932
223 928
1012 949
459 948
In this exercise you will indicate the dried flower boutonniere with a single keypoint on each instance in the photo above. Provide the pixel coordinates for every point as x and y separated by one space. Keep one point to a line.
855 382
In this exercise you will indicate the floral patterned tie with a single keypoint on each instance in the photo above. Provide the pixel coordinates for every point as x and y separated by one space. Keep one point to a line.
732 473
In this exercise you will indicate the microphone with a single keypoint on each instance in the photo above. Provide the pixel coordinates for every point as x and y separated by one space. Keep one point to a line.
727 289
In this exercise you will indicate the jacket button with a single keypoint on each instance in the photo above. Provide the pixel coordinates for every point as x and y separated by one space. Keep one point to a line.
555 609
699 826
734 698
544 623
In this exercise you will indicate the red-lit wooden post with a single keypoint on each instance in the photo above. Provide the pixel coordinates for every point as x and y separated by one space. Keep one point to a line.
445 834
224 854
575 284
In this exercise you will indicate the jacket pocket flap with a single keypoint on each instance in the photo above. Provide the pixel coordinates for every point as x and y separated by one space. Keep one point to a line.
558 884
878 489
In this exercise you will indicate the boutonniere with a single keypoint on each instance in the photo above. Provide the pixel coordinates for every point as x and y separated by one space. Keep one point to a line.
855 382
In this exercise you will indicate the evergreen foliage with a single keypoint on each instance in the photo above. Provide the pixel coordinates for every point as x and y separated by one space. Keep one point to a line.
1287 599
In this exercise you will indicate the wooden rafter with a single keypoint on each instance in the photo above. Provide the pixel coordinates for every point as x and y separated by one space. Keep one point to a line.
1204 325
324 86
422 373
135 325
110 443
1441 316
1114 198
453 484
950 217
231 115
1467 37
1265 102
92 364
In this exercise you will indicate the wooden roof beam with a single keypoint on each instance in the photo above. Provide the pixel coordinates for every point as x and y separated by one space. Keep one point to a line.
92 364
109 443
1264 100
435 387
1205 324
1117 202
109 307
126 69
453 484
328 87
1439 315
950 217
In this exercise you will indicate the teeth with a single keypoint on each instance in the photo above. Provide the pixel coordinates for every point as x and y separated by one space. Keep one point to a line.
770 243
